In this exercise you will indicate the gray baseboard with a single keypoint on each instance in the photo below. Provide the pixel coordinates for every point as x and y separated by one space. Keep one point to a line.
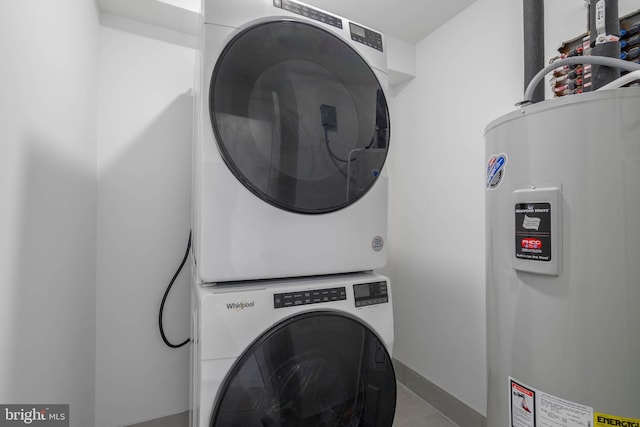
176 420
449 406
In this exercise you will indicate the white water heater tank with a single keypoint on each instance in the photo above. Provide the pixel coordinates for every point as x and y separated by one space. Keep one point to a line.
563 266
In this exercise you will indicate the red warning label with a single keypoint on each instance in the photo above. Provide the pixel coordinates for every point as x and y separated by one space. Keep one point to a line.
523 411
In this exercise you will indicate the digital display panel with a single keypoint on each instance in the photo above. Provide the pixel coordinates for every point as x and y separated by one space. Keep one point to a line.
366 36
361 291
358 31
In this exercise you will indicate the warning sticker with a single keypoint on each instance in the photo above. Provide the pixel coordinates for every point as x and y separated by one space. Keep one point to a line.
523 409
533 408
533 231
604 420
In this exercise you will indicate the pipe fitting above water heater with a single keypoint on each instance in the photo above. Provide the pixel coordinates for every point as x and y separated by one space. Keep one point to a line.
602 47
604 30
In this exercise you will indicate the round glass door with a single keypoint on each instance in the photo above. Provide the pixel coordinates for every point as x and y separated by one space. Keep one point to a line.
317 369
299 116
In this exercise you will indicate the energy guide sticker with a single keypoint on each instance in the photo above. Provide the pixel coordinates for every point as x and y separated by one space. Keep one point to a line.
604 420
534 408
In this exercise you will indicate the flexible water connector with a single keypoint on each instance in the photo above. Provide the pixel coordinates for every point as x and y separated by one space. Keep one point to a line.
597 60
630 31
631 54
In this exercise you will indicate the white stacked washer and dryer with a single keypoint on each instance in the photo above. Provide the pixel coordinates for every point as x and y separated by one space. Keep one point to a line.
291 327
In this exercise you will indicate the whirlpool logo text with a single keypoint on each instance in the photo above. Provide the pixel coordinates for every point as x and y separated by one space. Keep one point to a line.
237 306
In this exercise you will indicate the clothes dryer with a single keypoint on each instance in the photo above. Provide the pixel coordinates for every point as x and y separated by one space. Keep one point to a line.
291 136
298 352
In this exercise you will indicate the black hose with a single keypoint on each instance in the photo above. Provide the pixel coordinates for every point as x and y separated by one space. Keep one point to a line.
164 299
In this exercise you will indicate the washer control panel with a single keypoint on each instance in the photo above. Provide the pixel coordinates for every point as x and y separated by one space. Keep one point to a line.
314 296
370 293
308 12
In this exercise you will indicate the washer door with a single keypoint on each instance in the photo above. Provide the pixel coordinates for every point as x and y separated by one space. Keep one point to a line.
316 369
300 118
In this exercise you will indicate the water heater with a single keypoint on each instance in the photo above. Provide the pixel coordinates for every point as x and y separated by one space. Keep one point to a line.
563 265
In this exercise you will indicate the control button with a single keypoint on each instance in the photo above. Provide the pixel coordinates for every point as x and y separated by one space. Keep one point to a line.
311 296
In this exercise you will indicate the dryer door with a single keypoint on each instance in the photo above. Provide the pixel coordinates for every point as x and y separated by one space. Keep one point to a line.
315 369
299 116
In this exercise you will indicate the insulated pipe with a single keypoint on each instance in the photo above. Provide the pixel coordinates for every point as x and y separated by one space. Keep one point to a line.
598 60
604 27
533 20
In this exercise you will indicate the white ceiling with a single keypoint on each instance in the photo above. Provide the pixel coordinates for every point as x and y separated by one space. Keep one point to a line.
409 20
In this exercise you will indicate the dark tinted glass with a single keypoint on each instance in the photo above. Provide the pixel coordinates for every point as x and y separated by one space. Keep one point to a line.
317 369
299 117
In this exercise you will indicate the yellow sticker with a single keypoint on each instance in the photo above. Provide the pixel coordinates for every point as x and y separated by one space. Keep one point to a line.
604 420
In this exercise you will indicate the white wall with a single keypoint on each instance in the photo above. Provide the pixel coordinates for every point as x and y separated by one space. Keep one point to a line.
469 72
48 208
144 196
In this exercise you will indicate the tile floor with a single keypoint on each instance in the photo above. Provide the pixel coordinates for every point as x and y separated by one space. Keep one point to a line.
411 411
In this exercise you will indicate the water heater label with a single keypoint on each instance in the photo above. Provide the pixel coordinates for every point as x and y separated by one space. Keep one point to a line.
523 405
605 420
495 170
537 229
533 231
534 408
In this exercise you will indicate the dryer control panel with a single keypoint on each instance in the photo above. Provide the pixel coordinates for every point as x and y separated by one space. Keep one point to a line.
358 33
370 293
366 36
308 12
313 296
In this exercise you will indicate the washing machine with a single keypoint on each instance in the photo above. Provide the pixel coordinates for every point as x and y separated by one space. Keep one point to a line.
291 135
293 353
